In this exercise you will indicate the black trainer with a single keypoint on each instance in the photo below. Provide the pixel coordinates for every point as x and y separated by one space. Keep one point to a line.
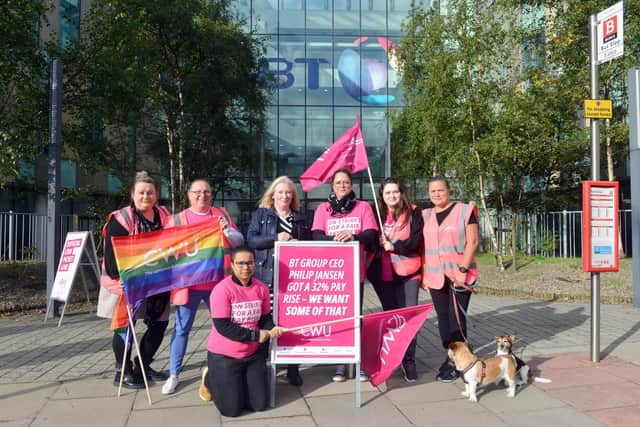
293 375
448 376
129 381
410 372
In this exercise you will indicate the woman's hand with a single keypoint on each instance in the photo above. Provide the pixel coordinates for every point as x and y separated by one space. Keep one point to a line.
343 236
223 222
459 279
388 246
276 332
264 336
283 236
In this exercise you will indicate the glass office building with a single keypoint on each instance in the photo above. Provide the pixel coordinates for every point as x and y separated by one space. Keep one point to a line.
332 60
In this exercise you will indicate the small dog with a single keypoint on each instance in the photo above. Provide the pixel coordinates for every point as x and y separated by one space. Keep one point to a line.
504 347
476 372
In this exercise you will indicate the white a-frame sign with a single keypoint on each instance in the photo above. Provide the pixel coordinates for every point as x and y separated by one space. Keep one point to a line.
79 250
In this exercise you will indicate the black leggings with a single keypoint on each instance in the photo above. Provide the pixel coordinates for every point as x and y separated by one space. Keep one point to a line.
238 384
447 323
149 343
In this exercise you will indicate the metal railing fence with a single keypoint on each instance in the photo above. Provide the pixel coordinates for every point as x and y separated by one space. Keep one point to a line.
23 236
552 234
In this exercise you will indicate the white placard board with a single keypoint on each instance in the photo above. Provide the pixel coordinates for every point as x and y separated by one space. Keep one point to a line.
610 33
79 250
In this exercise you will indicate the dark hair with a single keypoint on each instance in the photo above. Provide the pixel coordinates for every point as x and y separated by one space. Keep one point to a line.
344 171
404 207
198 179
239 249
441 179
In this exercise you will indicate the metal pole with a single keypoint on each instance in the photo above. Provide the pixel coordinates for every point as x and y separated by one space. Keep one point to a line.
595 176
53 196
634 157
11 236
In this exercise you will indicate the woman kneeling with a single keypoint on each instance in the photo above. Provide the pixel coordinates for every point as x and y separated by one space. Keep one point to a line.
236 374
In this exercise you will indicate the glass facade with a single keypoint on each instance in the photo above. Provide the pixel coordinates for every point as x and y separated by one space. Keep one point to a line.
69 21
331 60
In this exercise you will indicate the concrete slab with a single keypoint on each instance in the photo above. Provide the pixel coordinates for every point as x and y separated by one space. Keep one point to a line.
271 422
459 412
562 378
176 416
317 382
95 412
527 399
602 396
24 401
339 410
402 393
554 417
618 417
89 387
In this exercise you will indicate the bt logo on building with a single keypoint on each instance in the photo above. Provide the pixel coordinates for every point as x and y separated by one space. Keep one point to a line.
364 79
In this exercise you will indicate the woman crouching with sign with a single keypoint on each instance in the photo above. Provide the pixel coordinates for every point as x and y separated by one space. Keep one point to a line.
395 271
236 374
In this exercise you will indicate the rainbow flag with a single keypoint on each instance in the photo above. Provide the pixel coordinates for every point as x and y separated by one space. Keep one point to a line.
174 258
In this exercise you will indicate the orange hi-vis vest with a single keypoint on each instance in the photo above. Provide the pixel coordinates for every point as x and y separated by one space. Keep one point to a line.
444 246
181 296
403 265
124 216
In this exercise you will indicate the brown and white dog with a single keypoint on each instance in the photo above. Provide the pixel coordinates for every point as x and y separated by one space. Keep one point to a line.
476 372
504 347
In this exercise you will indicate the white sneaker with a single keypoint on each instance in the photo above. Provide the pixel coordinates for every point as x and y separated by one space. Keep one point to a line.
170 385
364 377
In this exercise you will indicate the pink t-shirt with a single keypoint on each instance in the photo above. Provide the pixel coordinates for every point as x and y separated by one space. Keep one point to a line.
360 218
244 305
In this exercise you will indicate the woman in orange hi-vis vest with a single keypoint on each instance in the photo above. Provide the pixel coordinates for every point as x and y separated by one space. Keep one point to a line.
450 271
395 270
141 216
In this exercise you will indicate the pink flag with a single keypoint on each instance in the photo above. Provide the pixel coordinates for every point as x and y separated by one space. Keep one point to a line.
385 338
348 151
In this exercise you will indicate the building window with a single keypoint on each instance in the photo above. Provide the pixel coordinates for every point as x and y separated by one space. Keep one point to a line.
69 21
68 172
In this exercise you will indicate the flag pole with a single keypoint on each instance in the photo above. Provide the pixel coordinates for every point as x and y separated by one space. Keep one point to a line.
124 361
135 342
375 199
328 322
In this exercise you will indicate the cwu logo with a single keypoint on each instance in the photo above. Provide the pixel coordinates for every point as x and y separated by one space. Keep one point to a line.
364 79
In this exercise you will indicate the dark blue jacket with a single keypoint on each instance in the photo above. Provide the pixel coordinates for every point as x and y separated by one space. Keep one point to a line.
262 234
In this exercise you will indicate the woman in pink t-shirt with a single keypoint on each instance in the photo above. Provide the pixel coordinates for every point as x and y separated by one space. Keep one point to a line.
343 218
236 374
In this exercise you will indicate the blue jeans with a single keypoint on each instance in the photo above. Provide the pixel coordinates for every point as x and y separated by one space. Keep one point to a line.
185 315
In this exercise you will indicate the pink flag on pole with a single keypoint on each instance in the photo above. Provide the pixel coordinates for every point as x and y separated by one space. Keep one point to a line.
348 151
385 338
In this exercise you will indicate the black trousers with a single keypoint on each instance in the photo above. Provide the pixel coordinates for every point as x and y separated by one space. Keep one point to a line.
238 384
445 309
398 293
155 311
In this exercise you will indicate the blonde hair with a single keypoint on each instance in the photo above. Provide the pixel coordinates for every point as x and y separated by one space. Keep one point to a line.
267 199
143 176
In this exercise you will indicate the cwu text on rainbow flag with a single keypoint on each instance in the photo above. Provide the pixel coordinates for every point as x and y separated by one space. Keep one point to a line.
174 258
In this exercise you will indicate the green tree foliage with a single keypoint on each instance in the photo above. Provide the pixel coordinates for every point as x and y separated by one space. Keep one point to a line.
181 78
487 107
23 85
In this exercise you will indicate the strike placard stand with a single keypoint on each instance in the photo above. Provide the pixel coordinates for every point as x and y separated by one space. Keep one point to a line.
315 285
79 250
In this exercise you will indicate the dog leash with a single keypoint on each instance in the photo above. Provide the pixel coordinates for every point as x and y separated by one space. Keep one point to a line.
458 308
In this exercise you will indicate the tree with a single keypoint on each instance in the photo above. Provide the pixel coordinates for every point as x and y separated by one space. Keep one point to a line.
23 87
180 74
483 107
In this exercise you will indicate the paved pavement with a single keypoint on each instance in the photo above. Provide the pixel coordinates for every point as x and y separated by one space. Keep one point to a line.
63 376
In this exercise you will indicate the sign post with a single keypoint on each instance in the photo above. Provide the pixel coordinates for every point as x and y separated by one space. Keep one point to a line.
316 285
79 250
606 31
633 79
